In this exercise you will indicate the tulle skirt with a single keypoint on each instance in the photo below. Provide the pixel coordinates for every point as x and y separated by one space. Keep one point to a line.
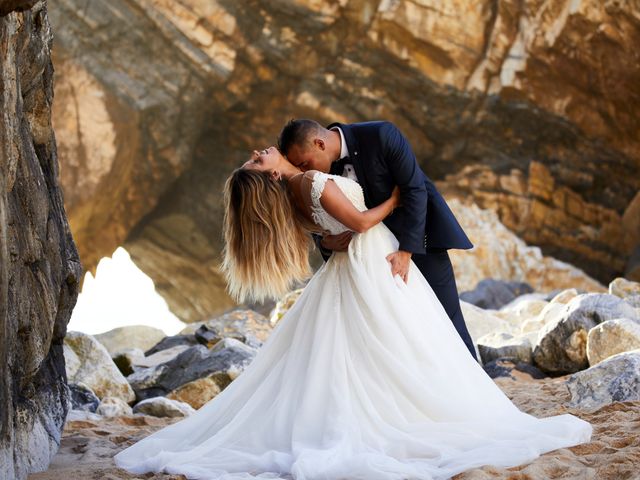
364 378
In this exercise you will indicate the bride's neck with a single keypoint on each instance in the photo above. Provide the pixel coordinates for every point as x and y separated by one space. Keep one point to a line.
290 171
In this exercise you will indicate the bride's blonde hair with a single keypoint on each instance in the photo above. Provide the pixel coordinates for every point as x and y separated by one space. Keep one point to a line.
266 242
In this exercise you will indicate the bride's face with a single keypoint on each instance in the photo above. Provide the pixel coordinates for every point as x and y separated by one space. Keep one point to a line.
267 160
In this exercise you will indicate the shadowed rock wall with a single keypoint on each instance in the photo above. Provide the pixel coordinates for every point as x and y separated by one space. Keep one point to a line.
529 106
39 266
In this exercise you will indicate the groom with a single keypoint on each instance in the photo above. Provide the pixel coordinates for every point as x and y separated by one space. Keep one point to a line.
377 156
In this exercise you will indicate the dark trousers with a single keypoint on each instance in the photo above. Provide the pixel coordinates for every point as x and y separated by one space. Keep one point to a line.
436 267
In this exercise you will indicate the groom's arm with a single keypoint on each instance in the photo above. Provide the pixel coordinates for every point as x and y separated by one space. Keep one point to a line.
325 252
328 244
404 169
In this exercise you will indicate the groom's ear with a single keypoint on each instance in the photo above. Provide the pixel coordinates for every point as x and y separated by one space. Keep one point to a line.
319 143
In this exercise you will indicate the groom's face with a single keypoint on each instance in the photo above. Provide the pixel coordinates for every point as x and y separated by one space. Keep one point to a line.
311 156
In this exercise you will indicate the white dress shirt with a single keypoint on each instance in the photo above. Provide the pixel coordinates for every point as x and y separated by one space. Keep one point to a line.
349 171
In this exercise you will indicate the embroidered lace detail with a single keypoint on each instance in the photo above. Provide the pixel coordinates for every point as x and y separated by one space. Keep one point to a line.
351 189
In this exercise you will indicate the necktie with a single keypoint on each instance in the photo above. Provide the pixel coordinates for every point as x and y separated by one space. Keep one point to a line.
337 167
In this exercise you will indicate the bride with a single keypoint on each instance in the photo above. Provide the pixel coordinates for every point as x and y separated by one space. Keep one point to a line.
352 383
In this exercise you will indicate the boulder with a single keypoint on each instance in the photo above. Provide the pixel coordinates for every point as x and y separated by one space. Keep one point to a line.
131 360
493 294
482 322
83 398
196 362
623 288
565 296
198 392
83 416
505 367
163 407
550 295
113 407
530 328
615 379
504 345
143 381
634 301
125 360
521 314
252 341
207 336
612 337
499 249
525 306
133 336
96 369
551 312
174 340
283 305
244 325
531 331
159 357
233 343
71 360
562 342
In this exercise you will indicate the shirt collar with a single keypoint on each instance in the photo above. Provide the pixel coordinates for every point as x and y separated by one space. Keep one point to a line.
344 151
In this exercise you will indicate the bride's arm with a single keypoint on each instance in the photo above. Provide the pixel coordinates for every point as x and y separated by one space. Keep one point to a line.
340 207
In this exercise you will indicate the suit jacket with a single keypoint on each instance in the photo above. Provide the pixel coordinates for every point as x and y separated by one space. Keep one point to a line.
382 158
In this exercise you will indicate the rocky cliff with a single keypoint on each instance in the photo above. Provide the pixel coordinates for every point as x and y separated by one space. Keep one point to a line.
526 108
39 266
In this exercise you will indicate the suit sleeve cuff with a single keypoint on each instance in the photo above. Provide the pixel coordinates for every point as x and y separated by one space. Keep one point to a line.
413 247
325 252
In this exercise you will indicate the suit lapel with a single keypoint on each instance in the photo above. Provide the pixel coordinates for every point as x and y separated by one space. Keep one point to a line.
355 156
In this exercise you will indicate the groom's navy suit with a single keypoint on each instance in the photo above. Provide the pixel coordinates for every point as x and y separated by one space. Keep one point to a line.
424 225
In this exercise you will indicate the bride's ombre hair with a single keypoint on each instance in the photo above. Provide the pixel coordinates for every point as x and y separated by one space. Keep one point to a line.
266 242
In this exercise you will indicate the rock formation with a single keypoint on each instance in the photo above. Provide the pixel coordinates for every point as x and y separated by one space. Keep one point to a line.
563 223
562 341
39 265
132 336
88 363
616 379
499 253
163 407
526 108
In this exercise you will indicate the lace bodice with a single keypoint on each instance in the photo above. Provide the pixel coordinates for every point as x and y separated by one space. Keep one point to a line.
351 189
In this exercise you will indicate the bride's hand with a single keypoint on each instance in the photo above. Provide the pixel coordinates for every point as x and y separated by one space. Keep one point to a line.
395 196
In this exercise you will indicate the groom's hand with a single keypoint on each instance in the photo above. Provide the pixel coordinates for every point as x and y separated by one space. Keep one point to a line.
337 243
400 264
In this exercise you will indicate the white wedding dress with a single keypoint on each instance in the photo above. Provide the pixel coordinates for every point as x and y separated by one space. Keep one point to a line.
365 378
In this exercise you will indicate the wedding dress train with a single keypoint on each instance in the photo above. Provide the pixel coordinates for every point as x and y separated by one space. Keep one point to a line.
365 377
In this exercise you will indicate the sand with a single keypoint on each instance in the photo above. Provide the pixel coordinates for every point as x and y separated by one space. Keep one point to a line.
87 447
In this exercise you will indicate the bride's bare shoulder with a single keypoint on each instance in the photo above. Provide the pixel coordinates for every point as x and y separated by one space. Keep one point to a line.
309 183
310 176
311 173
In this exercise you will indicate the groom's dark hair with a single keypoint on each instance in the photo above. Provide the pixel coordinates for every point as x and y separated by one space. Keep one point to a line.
297 132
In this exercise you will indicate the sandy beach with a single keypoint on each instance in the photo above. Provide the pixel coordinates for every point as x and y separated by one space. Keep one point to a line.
613 454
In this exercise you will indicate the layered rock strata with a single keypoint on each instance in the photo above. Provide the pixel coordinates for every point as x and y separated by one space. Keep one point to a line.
529 106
